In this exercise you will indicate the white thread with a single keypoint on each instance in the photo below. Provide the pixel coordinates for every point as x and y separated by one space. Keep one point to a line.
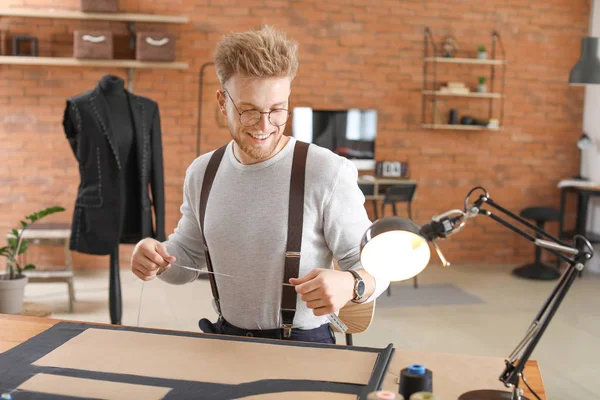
205 271
140 305
184 267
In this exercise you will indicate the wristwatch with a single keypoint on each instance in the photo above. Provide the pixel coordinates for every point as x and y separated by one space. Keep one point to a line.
359 287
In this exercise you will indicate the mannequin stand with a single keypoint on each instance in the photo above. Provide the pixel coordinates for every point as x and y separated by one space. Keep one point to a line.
114 288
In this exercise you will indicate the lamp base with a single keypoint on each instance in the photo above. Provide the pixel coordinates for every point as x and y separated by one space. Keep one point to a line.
489 395
537 271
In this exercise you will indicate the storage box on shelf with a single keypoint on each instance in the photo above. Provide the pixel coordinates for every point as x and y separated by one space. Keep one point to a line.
155 47
103 6
93 44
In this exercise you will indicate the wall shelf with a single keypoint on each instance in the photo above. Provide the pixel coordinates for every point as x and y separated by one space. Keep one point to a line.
458 127
75 62
73 14
452 60
472 94
129 18
436 57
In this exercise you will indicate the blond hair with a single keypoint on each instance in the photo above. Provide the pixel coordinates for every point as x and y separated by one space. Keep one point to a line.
264 53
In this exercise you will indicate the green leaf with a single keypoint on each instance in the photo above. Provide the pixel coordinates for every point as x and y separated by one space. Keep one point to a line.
24 224
28 267
43 213
4 251
15 233
24 246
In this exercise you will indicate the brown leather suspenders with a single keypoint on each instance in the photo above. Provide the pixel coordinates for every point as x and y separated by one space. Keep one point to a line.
294 239
209 177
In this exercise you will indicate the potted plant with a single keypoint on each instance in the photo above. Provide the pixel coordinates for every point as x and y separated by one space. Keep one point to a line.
13 281
482 87
481 52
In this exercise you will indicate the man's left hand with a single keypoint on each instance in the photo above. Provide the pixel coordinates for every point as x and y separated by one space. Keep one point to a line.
325 290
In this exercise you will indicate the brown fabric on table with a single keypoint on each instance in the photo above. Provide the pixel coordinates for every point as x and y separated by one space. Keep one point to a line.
91 388
207 360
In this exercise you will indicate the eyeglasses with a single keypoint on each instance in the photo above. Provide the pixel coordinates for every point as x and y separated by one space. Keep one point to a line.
276 117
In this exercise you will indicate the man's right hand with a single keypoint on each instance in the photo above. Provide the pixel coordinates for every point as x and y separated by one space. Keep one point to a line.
150 257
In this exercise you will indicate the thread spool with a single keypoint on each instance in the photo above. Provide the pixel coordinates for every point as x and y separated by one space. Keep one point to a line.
384 395
415 378
423 396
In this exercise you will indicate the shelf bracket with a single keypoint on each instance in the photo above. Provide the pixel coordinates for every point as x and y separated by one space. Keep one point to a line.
131 28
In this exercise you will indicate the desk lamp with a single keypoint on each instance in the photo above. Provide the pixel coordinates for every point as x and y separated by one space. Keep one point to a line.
395 248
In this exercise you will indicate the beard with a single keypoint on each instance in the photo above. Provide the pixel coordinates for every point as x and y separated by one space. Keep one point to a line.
256 151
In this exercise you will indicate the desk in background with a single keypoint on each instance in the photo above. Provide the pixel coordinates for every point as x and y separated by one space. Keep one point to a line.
584 193
373 187
452 374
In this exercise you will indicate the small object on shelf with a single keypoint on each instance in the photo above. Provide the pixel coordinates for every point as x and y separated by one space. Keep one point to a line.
453 120
466 120
493 123
100 6
455 88
395 169
18 41
93 44
482 87
482 53
450 47
155 47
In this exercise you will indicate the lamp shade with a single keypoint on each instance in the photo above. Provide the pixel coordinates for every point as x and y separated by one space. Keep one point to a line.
393 249
587 69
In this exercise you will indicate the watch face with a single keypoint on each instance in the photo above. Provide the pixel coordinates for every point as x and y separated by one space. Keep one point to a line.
360 288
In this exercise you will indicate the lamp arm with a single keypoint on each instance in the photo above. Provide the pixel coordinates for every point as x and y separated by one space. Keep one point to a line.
511 374
552 249
548 246
446 225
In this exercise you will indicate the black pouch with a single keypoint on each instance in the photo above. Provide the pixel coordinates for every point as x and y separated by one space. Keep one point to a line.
208 327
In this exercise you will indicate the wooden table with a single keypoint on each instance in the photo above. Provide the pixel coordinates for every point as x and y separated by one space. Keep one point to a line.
584 194
374 187
452 374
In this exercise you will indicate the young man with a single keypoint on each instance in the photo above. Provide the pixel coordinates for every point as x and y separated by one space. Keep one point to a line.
246 218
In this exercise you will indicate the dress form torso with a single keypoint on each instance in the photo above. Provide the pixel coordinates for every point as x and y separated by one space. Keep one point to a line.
123 137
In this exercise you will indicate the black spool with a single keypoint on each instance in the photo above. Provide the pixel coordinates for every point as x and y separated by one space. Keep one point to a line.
415 378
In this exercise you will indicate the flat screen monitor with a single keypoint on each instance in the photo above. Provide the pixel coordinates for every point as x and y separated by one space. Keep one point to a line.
349 133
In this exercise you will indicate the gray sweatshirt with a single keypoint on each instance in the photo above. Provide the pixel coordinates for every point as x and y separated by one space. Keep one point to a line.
246 231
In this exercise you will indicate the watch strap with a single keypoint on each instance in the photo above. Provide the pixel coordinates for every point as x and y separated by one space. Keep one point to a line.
357 278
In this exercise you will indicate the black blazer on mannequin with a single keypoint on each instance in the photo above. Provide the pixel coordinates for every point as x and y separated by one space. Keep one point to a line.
113 202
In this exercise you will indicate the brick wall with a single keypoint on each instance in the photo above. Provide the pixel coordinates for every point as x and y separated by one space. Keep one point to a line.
356 53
